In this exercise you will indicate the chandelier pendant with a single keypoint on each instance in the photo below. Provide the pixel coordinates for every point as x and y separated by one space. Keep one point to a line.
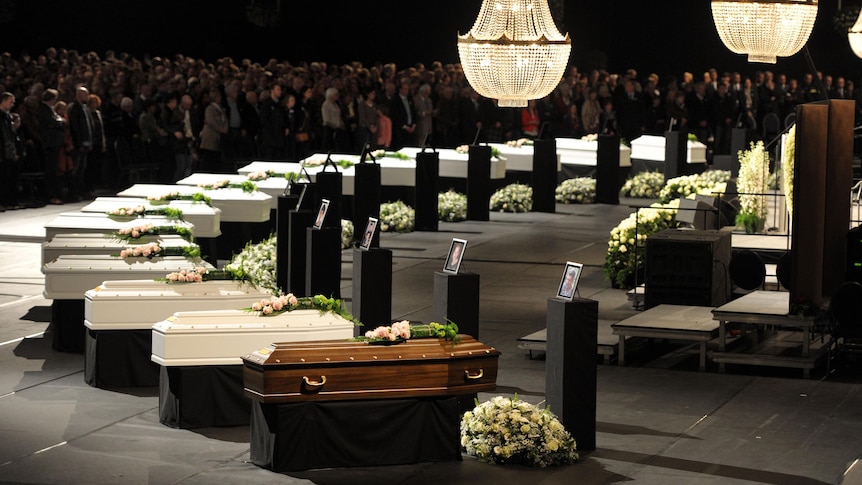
764 29
514 51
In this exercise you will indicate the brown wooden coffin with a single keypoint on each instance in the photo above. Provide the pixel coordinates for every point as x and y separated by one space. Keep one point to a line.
340 370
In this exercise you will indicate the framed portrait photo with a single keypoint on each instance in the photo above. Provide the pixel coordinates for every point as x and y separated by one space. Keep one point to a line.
321 213
455 256
569 282
368 235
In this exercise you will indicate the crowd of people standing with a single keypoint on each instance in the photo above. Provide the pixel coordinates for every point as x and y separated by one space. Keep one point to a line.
73 117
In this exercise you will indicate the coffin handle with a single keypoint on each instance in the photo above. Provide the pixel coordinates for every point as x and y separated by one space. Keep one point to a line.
319 383
474 377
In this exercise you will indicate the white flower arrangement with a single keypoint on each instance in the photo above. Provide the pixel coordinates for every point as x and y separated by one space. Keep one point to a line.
627 243
711 181
396 217
751 183
451 206
508 430
512 198
519 142
590 137
644 185
346 233
579 190
788 160
256 263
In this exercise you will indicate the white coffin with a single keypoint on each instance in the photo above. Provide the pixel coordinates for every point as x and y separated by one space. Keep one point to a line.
206 219
454 164
138 304
70 276
519 158
224 337
393 171
272 186
97 223
92 244
235 205
574 151
651 147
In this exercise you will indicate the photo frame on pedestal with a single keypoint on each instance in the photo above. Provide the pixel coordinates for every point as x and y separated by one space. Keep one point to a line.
569 282
321 213
368 236
455 256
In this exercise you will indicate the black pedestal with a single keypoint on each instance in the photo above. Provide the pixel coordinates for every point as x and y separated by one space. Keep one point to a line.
675 154
570 367
298 223
478 183
372 287
544 175
608 170
427 191
236 235
67 322
329 186
366 199
323 262
286 203
309 435
202 397
456 298
120 358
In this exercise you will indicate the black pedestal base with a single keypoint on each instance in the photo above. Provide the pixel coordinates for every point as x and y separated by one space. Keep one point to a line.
372 287
456 298
67 321
309 435
570 367
120 358
202 397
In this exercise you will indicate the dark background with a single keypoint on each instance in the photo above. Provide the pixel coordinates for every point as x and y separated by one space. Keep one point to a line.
666 37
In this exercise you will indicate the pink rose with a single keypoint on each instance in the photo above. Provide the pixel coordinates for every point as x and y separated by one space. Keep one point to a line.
291 300
172 277
277 305
256 306
267 310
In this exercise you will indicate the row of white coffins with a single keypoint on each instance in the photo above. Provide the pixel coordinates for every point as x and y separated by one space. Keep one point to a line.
205 323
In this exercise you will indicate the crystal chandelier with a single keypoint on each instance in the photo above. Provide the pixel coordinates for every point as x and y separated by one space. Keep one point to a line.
514 51
764 29
854 35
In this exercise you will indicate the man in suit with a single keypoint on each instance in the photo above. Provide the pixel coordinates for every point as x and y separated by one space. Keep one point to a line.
81 126
403 117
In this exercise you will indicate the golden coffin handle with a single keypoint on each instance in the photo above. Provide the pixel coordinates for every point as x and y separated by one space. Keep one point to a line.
476 377
317 384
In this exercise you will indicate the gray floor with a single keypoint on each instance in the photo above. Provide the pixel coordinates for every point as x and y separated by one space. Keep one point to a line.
659 420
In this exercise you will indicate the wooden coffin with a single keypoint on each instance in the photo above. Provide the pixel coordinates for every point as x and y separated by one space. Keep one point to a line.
342 370
138 304
206 219
235 205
